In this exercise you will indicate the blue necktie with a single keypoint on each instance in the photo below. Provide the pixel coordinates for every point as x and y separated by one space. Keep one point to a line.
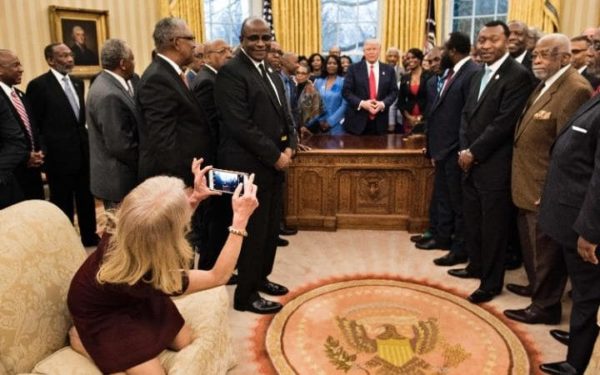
484 80
71 97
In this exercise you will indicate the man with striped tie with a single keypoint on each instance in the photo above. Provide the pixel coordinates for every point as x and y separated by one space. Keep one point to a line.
28 172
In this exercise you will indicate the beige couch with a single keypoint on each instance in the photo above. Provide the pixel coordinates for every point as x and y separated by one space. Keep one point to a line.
39 253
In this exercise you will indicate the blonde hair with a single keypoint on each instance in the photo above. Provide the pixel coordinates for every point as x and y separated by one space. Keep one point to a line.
148 242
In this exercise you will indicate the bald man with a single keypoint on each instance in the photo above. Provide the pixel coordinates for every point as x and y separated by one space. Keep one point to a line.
370 89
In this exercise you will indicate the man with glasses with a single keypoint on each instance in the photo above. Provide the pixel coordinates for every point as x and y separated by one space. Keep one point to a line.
217 219
594 69
193 69
560 93
175 128
581 59
254 138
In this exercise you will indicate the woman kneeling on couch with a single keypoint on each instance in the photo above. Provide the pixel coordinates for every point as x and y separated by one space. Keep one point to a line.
119 298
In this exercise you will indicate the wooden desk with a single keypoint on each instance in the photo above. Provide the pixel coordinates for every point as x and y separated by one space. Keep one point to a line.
366 182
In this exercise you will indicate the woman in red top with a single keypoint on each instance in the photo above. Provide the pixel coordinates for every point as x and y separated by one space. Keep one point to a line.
119 298
412 95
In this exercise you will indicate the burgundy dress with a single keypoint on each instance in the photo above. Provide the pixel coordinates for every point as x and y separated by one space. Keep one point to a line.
120 326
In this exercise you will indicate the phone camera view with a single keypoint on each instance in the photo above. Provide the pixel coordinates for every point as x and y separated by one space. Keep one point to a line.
225 181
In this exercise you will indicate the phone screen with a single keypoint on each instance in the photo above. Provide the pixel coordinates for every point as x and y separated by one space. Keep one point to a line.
225 181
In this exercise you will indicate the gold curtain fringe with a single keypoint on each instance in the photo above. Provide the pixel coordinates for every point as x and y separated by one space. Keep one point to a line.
297 25
528 11
192 11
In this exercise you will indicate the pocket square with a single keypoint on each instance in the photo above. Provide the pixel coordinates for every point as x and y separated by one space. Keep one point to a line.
578 129
542 115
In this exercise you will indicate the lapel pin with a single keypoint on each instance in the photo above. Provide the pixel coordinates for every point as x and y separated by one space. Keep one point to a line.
382 73
497 76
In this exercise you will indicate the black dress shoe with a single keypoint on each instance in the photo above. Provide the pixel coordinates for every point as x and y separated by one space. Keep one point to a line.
463 273
432 244
558 368
421 237
535 315
233 280
259 306
285 231
450 259
481 296
282 242
521 290
561 336
273 289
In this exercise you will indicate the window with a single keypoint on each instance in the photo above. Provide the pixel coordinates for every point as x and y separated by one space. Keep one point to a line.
223 19
347 23
469 16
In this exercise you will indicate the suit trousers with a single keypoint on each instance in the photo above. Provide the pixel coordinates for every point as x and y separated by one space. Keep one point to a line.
64 189
10 192
544 262
258 251
447 184
216 219
583 328
30 180
487 216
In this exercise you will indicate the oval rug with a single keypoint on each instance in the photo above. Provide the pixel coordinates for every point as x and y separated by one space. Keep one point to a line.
382 326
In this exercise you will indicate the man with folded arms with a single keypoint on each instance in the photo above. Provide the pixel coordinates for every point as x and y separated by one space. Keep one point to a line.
561 92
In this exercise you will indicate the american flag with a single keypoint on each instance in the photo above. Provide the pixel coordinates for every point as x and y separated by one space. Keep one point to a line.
268 15
430 27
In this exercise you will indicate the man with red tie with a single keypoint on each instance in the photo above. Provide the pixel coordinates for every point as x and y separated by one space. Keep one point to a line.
370 89
28 173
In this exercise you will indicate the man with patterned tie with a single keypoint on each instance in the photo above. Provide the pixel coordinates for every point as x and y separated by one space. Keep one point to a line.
59 111
175 127
370 89
497 96
28 173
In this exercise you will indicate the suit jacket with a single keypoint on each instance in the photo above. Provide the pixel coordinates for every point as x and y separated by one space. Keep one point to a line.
536 131
174 129
335 105
253 124
13 152
488 124
444 112
203 87
407 100
113 121
356 88
64 135
592 79
570 205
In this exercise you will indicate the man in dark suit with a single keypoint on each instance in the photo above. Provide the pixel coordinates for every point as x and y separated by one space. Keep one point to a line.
59 111
370 89
517 43
497 96
113 121
443 123
217 215
28 173
13 151
175 127
562 92
254 132
570 214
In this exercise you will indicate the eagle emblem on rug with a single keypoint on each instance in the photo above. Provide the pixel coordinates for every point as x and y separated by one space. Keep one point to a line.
390 352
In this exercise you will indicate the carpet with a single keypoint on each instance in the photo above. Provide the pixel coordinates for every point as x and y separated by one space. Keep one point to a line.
388 325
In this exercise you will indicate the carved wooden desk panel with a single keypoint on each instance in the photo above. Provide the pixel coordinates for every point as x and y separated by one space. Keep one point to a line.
367 182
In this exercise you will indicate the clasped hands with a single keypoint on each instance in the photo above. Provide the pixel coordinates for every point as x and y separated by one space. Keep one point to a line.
465 160
36 159
372 106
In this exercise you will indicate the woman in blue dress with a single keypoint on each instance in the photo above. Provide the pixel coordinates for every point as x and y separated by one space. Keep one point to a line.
329 86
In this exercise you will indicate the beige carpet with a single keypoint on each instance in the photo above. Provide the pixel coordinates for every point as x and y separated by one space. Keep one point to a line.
315 256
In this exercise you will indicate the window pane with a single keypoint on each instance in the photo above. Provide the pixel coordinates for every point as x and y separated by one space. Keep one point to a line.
463 8
347 23
223 18
485 7
367 12
502 6
462 25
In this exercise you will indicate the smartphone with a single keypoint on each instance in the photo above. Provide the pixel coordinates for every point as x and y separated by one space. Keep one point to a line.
225 181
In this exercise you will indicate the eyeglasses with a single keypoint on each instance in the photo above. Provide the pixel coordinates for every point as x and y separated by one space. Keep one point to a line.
576 51
596 45
544 54
220 51
186 37
276 51
301 73
256 37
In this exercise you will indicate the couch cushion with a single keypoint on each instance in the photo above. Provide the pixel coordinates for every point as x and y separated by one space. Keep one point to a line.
209 353
39 253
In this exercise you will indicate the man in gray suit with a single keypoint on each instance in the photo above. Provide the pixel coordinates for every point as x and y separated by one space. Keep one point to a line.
113 119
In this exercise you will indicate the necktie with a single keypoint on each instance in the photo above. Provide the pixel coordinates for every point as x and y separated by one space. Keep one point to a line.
130 88
184 79
372 88
447 81
265 78
538 92
484 80
23 114
71 97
